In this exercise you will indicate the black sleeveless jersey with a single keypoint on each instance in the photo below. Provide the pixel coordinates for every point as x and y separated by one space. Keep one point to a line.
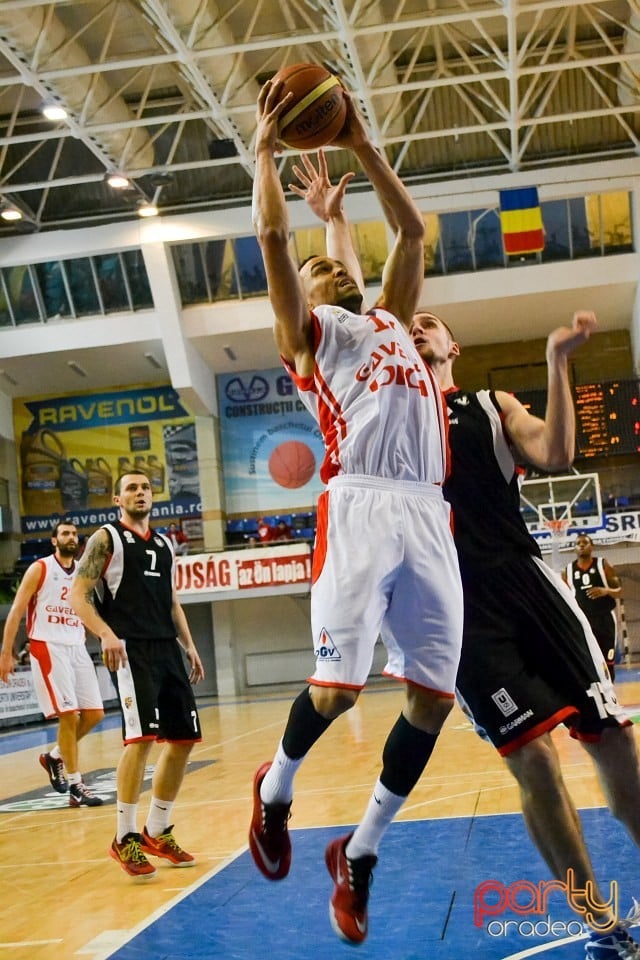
580 580
134 594
483 487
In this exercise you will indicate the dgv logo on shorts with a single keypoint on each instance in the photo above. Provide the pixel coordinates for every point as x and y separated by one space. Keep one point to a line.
326 649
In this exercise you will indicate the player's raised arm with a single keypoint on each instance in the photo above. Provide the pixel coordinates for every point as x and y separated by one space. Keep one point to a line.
292 320
550 443
403 274
326 201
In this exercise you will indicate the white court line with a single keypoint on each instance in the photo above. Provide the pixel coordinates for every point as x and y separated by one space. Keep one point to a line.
128 935
28 943
544 947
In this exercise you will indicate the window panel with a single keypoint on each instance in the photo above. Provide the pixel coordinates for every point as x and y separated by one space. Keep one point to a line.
138 279
253 280
113 289
82 286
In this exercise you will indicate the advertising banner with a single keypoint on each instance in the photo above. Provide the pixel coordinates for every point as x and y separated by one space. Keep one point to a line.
272 448
73 448
241 571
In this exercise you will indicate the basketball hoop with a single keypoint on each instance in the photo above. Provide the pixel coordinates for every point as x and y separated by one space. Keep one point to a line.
557 529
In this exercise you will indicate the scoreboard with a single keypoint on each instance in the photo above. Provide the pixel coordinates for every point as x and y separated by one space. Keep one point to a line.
607 416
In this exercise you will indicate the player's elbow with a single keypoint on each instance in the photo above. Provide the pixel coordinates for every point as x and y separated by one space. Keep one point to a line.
272 237
413 228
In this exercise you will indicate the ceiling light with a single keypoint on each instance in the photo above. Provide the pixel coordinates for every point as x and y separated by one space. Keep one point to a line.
230 353
117 181
10 212
147 209
54 111
77 368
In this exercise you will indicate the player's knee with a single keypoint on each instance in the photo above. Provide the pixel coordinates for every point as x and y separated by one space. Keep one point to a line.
536 763
330 702
427 710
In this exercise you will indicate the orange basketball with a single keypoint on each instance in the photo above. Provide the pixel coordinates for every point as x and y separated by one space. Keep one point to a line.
318 110
292 464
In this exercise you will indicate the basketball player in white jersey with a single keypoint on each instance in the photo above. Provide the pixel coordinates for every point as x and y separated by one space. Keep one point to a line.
528 653
384 562
64 676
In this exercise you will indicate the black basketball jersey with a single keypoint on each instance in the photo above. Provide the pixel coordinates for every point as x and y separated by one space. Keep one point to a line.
484 484
134 594
580 580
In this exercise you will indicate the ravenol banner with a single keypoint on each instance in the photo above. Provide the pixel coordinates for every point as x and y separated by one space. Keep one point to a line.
272 448
73 448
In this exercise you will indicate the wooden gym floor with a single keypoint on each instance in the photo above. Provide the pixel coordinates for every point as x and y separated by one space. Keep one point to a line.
63 897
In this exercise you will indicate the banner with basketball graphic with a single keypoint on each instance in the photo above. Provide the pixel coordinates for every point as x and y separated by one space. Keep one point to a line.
272 448
73 448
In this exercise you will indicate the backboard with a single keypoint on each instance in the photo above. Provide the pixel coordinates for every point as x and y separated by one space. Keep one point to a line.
574 498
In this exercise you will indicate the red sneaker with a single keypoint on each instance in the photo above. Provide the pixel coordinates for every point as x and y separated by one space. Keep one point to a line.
128 853
269 840
165 846
352 878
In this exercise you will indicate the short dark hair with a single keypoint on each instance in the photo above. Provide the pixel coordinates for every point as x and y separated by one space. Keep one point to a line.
430 313
583 536
128 473
61 522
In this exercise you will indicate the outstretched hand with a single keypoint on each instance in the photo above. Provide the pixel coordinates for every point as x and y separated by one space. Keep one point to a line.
321 195
564 340
269 110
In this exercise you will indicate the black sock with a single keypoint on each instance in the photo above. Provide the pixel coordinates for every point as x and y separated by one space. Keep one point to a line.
405 756
304 726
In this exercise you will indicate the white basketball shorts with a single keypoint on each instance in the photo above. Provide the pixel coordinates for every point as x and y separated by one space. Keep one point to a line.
64 678
385 565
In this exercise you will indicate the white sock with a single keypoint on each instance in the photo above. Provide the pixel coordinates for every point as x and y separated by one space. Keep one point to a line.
54 753
159 816
126 819
381 809
277 786
74 777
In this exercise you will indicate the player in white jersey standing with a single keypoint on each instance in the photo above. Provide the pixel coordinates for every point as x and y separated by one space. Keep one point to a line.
384 561
64 676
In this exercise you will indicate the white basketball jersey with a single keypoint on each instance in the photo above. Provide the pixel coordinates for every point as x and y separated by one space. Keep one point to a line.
378 406
49 615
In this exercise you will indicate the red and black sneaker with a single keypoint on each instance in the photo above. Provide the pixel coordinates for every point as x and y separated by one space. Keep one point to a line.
352 878
269 839
128 853
165 846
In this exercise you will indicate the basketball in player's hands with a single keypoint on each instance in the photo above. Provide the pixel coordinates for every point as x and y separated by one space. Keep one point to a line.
317 110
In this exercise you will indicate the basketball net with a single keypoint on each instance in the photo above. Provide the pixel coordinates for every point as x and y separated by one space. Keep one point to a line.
558 529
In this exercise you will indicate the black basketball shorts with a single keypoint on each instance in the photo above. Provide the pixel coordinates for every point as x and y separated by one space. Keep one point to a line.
155 695
529 658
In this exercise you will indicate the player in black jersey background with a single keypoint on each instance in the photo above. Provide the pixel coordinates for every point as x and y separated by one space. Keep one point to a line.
529 658
125 593
596 586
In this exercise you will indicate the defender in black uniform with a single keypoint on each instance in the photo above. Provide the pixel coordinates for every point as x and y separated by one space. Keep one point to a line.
595 585
125 593
529 658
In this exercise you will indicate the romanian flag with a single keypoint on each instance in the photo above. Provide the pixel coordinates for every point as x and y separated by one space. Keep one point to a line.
521 221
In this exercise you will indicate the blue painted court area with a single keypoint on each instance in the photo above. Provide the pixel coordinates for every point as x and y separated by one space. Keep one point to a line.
422 899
